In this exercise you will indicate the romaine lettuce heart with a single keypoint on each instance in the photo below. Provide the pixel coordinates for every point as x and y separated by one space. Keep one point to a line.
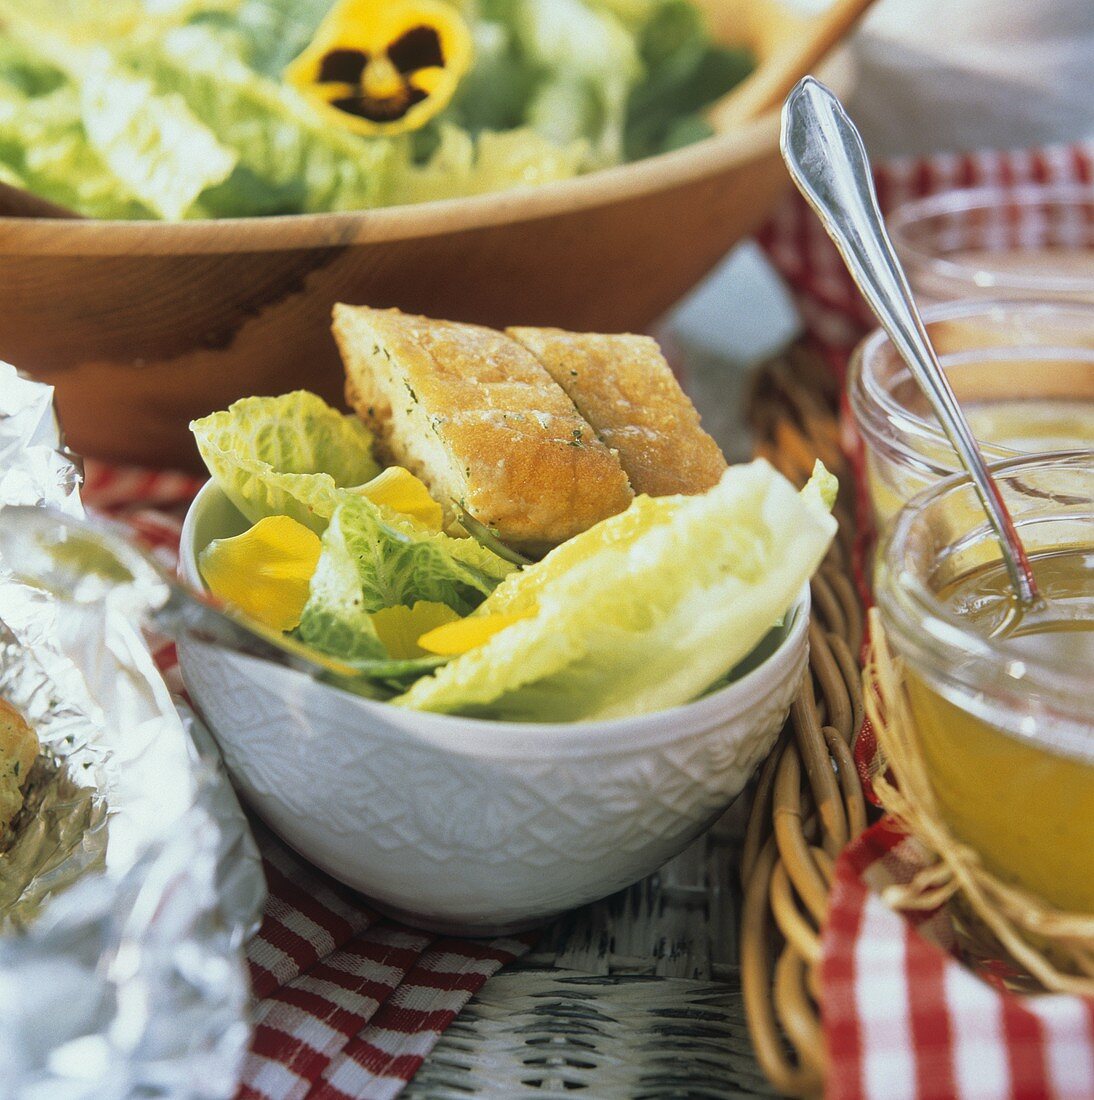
291 455
658 609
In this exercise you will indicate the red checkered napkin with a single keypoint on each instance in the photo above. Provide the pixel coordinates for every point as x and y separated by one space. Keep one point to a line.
347 1003
902 1017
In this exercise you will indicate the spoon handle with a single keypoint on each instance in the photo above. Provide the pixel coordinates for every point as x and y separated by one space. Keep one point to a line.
828 162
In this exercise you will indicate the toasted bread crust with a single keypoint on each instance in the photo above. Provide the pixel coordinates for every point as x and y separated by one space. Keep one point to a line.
623 387
476 416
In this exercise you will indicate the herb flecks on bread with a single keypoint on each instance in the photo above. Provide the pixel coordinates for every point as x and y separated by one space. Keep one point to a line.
536 432
623 387
477 417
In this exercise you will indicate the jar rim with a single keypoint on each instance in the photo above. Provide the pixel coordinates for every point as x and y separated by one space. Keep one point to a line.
965 200
876 410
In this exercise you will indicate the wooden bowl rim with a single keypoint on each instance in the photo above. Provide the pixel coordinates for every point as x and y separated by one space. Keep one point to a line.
48 236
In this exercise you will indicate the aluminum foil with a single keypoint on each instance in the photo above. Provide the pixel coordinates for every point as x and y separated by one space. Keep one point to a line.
132 882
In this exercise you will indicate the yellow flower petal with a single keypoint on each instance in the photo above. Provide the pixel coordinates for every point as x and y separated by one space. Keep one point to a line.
466 634
398 488
400 627
265 571
384 66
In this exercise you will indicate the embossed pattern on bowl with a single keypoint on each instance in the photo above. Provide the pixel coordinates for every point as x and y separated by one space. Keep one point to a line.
471 826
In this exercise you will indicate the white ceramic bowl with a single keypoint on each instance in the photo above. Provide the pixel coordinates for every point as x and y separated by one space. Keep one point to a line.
472 826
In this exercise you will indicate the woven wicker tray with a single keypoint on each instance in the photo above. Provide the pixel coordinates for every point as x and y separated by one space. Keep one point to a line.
697 982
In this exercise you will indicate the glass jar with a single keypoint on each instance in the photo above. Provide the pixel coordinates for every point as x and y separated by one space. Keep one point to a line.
1000 697
1032 241
1023 371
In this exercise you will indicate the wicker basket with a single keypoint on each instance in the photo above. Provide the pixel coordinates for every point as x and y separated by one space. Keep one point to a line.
808 802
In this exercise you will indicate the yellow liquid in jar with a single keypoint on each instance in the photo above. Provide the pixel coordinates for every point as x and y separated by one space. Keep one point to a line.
1013 779
1024 425
1033 426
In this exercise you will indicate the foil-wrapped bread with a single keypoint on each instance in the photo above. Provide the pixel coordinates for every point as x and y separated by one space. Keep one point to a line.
18 751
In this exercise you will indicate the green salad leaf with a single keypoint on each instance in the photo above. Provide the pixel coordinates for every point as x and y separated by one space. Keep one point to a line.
288 158
271 33
494 94
291 455
461 165
374 558
181 109
155 144
683 72
24 71
156 147
10 177
643 611
335 619
43 148
592 63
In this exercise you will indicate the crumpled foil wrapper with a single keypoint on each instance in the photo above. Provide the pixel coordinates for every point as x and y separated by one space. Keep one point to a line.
132 882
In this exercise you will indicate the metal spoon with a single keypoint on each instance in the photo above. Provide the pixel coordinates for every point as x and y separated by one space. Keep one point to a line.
82 560
828 162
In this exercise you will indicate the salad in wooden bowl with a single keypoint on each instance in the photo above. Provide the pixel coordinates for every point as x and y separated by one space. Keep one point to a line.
227 207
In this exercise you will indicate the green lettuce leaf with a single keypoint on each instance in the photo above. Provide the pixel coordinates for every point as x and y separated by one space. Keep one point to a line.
666 600
289 158
291 455
495 92
111 19
592 63
177 115
25 71
10 177
155 144
44 149
373 558
462 165
684 71
822 488
271 33
334 619
182 111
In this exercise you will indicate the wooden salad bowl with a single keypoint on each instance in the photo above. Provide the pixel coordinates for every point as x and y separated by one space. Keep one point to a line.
142 326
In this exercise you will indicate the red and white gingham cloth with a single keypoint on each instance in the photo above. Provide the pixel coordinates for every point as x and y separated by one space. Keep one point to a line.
348 1003
901 1016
